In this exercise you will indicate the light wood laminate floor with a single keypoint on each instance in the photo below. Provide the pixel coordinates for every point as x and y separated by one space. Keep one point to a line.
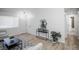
71 42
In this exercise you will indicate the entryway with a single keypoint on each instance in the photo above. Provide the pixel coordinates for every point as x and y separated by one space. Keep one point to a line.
71 24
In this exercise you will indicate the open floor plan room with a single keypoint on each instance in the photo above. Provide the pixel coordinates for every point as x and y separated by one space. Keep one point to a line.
39 28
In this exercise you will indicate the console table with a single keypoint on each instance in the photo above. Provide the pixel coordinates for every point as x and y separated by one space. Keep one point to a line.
42 31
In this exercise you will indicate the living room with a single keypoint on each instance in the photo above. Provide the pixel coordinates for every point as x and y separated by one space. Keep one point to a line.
22 24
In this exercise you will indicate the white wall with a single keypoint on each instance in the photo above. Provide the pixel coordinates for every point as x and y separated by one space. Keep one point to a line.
14 12
77 24
8 22
55 18
13 25
18 30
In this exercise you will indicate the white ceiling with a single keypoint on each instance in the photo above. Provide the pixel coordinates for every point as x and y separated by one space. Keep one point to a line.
14 11
11 11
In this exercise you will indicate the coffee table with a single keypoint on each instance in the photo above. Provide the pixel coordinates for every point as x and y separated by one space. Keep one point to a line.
12 43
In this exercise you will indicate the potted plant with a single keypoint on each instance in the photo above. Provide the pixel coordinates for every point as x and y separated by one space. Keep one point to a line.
55 36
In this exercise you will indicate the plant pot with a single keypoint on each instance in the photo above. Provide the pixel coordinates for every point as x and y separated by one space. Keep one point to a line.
55 40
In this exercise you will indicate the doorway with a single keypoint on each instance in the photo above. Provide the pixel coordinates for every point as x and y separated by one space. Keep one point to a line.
71 24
